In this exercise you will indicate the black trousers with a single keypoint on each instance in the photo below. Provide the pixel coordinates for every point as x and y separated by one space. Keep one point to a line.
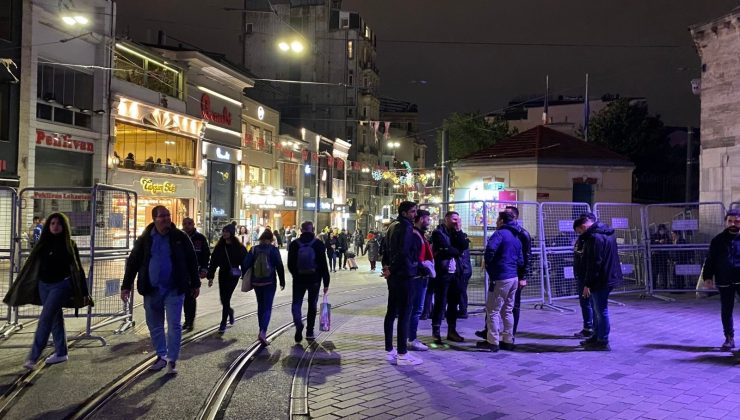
299 292
226 288
517 306
446 300
463 285
342 257
189 306
727 300
399 306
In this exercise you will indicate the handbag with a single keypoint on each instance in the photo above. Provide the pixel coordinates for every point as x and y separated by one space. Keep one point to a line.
247 281
325 320
235 271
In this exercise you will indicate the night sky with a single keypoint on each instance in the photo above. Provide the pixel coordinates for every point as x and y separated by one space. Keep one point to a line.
629 47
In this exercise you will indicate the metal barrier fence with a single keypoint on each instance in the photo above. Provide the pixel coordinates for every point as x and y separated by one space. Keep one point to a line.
558 239
8 199
679 236
103 224
628 223
735 205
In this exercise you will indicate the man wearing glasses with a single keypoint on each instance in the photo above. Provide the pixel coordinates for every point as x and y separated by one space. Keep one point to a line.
167 266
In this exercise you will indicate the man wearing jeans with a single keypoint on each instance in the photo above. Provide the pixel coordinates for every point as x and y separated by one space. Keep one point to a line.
307 264
504 260
400 268
603 272
165 262
723 268
420 283
579 271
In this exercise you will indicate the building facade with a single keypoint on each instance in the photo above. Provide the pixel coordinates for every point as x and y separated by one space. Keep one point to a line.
10 87
718 47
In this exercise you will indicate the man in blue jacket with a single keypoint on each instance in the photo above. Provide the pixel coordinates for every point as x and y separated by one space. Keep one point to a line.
164 260
504 260
400 268
723 267
603 272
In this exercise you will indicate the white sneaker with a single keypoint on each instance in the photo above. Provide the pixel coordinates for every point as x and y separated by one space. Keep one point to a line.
417 345
158 364
54 359
391 355
408 360
171 368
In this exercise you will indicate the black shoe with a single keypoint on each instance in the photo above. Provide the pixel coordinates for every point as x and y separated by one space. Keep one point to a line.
454 336
222 328
231 316
310 336
584 333
598 346
506 346
462 315
589 341
299 334
437 336
485 345
482 334
424 316
187 327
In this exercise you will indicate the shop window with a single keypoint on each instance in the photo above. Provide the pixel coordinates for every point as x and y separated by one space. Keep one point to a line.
254 175
154 151
149 73
64 95
350 50
290 179
258 139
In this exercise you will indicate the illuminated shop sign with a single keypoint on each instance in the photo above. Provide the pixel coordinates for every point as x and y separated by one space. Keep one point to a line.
166 187
64 142
263 199
222 154
291 203
260 113
223 117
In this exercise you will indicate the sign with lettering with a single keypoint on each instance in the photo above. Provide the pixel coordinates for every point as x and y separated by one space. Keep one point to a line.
64 142
620 223
685 224
165 187
223 117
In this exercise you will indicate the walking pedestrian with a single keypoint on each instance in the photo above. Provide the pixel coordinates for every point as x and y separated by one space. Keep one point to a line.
504 260
342 248
164 260
722 269
307 265
400 267
603 272
420 282
38 227
331 250
53 277
372 249
203 252
579 272
243 235
448 244
358 240
267 266
227 256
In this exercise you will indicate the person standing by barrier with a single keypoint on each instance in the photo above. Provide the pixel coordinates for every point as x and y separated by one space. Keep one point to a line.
579 272
267 266
38 227
448 244
400 268
603 272
227 256
504 261
420 283
203 252
53 277
307 264
342 248
722 269
466 272
165 262
372 249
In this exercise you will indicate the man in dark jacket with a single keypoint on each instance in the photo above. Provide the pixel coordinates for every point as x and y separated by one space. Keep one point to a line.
603 272
579 271
400 267
342 248
722 268
165 262
448 244
307 277
504 262
203 251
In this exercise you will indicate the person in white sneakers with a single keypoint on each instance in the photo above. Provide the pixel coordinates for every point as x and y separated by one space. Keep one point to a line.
419 284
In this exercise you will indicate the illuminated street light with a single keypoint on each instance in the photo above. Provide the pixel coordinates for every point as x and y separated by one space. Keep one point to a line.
296 46
284 47
69 20
75 20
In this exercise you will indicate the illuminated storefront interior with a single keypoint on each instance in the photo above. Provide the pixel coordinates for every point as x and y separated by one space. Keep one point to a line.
154 150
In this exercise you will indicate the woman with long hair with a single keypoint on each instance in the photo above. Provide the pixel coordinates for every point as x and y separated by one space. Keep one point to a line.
243 236
53 277
331 243
267 267
227 256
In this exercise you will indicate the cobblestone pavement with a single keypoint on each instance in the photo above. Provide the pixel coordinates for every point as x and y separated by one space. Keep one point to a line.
665 363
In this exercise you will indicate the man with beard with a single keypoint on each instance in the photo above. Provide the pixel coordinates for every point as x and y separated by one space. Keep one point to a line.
722 268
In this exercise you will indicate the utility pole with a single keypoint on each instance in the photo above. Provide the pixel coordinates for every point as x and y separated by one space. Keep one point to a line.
689 135
445 170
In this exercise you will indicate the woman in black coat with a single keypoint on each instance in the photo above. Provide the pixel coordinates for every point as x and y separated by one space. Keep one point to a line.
53 277
227 256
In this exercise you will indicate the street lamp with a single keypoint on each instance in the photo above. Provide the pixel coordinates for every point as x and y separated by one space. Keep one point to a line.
295 46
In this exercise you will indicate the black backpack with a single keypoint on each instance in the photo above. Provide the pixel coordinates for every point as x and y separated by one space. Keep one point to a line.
306 257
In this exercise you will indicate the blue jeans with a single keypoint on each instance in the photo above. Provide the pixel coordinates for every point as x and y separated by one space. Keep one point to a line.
265 296
156 305
600 302
586 310
418 294
51 320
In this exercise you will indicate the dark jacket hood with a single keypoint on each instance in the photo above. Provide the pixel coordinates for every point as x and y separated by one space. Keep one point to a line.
601 228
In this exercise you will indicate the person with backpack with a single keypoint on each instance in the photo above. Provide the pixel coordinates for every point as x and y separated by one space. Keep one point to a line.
227 256
267 266
308 266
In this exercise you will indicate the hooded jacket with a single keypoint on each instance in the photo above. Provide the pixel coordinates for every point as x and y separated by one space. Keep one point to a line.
184 262
400 251
723 261
504 257
601 258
